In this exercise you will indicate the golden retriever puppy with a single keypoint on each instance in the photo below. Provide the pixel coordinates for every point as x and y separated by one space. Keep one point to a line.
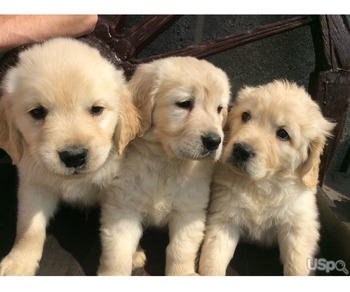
66 115
166 172
264 188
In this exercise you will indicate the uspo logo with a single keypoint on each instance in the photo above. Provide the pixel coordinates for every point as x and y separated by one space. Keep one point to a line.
327 266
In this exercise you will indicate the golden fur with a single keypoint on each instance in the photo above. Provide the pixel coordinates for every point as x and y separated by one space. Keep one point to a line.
167 170
66 116
264 188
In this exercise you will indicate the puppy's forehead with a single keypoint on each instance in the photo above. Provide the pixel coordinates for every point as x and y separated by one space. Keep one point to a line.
268 99
198 78
279 106
65 70
65 90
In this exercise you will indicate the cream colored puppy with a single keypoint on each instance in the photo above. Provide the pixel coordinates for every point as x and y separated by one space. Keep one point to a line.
166 172
264 188
65 117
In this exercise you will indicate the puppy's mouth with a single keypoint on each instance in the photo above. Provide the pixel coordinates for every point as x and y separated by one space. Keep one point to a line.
207 148
199 155
240 166
75 171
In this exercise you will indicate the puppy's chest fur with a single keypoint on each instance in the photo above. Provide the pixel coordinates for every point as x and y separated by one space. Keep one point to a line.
261 209
156 185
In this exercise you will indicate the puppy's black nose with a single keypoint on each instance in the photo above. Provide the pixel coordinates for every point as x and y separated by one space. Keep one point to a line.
73 157
211 141
242 152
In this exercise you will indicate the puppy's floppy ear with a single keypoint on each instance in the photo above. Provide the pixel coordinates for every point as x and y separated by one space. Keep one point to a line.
227 125
143 90
310 169
227 118
128 126
10 137
224 117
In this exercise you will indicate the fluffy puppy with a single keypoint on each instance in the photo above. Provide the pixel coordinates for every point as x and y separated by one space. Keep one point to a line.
264 186
66 115
167 171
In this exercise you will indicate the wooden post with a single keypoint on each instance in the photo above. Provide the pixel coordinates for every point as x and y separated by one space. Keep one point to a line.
330 83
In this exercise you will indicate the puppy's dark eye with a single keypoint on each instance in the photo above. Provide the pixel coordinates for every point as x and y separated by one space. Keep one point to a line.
219 109
282 134
96 110
186 104
246 117
38 113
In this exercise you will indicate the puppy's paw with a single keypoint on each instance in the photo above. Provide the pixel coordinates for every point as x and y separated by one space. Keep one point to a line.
139 259
16 265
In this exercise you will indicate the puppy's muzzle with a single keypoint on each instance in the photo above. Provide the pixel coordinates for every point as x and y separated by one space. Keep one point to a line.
211 141
74 157
241 154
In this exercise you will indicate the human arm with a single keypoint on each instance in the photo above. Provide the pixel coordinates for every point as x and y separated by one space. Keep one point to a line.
16 30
